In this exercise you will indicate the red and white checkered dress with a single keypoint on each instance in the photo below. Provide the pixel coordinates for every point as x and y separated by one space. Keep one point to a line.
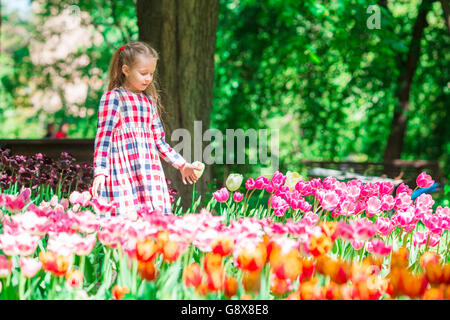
128 145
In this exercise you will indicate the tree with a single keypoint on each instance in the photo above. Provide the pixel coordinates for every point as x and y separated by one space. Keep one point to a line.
184 34
399 121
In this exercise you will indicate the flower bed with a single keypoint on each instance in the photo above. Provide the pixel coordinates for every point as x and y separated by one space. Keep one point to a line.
317 239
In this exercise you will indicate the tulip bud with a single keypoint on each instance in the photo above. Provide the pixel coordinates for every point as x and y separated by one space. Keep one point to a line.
198 165
234 181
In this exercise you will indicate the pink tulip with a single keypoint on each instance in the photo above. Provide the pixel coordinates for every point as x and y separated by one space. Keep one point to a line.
364 228
277 201
404 217
329 183
387 202
270 188
403 201
261 182
357 244
330 200
221 195
16 204
29 266
237 196
345 230
424 180
403 188
424 201
5 266
278 179
310 218
103 208
378 247
20 243
280 210
250 184
384 226
373 206
369 189
385 188
32 223
353 193
420 238
304 187
433 222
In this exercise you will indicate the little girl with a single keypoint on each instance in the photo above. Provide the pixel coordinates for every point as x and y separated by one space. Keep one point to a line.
127 166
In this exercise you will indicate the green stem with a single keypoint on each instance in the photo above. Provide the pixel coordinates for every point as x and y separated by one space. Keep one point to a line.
21 286
193 197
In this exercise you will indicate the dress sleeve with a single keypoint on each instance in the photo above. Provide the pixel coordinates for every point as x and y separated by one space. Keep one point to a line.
167 153
108 117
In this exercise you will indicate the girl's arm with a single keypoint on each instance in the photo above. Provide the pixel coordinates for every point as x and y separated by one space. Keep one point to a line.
167 153
108 117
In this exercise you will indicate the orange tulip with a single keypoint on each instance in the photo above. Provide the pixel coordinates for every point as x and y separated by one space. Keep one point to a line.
428 257
223 246
251 281
231 287
216 279
147 250
279 287
119 292
309 291
434 294
320 245
212 261
331 291
400 258
329 229
147 270
285 265
192 275
74 278
252 259
171 251
308 267
56 264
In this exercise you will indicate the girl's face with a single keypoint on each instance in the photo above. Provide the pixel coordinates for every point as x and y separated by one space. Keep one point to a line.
140 75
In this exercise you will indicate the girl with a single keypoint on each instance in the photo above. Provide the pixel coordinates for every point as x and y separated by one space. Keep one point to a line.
127 167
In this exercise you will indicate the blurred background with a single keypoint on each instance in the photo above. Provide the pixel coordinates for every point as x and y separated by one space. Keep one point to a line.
339 87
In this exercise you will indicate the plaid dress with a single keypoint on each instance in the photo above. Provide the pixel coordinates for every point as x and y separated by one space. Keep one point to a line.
128 146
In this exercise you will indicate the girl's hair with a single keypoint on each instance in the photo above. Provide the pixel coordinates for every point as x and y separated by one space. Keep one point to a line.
128 56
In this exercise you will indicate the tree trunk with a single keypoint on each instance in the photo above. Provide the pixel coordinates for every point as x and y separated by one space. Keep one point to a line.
446 11
396 137
184 34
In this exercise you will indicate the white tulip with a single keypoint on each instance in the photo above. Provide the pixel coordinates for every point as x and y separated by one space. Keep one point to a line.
234 181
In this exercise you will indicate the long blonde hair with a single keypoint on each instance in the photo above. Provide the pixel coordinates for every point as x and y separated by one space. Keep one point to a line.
128 56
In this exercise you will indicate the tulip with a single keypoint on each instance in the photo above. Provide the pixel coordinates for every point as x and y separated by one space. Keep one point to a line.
147 250
5 266
424 180
378 247
237 196
222 246
234 181
330 200
231 287
250 184
198 165
221 195
147 270
192 275
74 278
373 206
251 281
29 266
292 178
119 292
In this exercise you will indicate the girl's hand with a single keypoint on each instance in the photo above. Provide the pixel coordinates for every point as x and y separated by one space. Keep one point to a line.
187 172
99 183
